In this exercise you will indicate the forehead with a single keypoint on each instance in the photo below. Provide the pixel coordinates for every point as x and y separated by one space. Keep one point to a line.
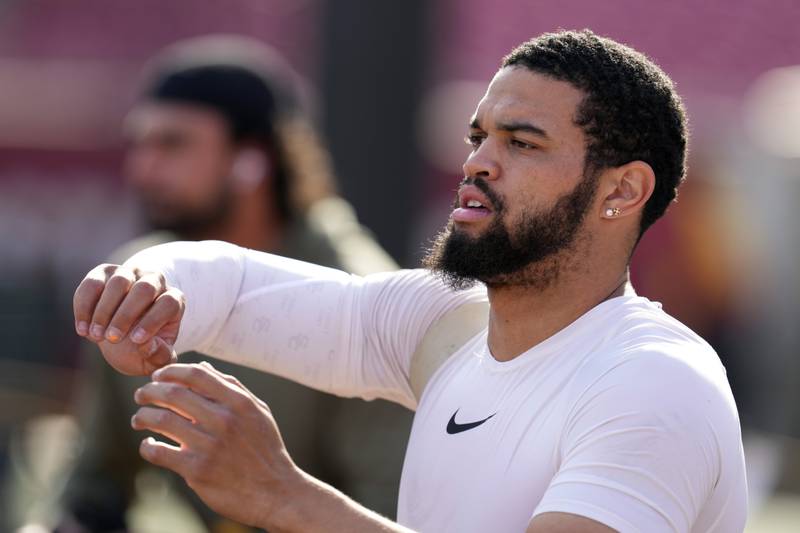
157 117
518 94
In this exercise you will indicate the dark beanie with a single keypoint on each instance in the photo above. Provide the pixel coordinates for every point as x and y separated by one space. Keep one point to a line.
249 96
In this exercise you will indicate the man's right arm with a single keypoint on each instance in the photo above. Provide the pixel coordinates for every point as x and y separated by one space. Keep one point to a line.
326 329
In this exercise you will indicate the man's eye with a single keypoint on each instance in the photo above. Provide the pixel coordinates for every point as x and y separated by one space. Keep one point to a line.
474 140
522 144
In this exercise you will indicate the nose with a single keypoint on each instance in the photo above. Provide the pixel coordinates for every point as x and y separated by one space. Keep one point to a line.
482 162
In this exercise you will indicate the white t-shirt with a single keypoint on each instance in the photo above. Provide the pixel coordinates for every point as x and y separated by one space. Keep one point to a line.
625 416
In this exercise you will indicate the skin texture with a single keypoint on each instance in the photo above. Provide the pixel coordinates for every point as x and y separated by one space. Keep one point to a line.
207 412
122 310
177 160
230 450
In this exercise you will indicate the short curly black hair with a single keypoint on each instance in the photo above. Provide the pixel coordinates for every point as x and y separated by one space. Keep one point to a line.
630 112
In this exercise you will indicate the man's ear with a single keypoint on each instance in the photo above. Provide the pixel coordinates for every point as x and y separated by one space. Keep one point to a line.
627 189
250 168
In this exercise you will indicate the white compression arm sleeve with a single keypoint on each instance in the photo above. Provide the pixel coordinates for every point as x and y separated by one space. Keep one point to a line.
336 332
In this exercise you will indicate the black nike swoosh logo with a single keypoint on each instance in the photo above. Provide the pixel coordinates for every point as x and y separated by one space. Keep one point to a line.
454 427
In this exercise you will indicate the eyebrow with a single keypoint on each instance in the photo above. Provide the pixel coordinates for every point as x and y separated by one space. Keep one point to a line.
514 126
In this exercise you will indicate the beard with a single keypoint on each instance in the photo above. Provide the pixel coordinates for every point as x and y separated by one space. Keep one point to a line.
161 213
524 255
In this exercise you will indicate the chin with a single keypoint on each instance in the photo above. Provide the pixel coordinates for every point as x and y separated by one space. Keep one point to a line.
473 231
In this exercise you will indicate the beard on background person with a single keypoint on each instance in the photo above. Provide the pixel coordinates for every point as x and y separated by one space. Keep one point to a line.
219 148
163 214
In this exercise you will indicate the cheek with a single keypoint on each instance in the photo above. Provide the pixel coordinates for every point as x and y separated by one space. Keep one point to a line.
199 175
142 167
519 204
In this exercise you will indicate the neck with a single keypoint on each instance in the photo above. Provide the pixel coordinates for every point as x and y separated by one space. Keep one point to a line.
523 316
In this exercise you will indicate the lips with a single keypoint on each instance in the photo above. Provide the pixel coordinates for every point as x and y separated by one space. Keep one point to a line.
470 197
473 205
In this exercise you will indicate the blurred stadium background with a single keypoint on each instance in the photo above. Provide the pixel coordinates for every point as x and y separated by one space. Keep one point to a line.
391 85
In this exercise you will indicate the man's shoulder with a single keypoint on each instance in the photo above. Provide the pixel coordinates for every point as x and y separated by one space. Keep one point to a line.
648 353
640 328
652 398
653 372
442 318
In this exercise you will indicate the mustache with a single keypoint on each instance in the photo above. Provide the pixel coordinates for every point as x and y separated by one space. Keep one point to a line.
483 186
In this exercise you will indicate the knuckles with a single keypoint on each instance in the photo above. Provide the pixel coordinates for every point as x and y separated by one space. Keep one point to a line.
119 281
175 299
151 392
89 286
227 424
145 289
171 303
240 402
196 373
173 393
161 417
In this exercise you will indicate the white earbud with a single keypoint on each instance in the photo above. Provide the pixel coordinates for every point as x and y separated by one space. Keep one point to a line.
249 169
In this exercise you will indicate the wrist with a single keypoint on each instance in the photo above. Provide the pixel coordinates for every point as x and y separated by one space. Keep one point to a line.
288 510
307 505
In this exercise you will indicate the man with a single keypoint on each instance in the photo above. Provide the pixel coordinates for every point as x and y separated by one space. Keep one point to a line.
220 150
579 407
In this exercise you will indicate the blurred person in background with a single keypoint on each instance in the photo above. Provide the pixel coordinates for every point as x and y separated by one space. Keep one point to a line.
220 150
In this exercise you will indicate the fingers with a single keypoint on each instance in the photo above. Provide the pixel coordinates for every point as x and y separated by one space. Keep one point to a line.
227 377
116 289
158 353
165 314
140 295
169 424
178 398
238 385
205 380
88 294
113 302
165 455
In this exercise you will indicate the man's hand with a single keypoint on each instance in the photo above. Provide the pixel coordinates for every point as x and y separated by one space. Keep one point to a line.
132 315
230 450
